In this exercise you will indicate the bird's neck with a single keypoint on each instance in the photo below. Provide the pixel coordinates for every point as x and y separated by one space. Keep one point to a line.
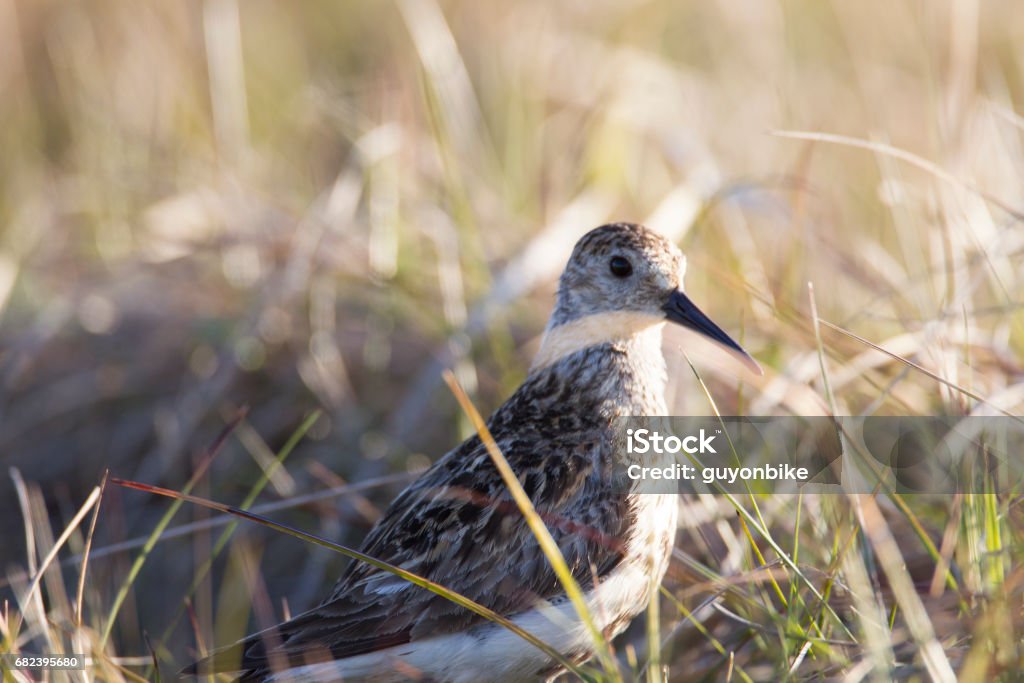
614 359
638 332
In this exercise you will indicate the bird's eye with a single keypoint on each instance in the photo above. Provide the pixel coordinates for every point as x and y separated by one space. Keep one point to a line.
620 267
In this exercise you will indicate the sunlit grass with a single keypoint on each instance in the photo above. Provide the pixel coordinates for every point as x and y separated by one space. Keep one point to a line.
539 529
323 205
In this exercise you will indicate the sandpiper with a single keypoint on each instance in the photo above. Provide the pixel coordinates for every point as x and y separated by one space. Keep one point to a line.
600 359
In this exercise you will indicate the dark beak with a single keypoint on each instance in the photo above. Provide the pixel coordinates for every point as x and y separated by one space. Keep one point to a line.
682 311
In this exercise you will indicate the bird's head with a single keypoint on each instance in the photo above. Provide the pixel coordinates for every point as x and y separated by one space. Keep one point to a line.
621 280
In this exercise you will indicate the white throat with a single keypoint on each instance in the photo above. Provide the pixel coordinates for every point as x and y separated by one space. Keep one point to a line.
591 330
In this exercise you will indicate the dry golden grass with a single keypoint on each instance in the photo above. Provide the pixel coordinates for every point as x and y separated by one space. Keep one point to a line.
294 206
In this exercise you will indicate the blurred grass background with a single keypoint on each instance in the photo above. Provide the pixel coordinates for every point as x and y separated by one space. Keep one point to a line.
293 206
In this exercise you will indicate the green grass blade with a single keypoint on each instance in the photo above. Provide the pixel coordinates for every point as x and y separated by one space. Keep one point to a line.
140 560
225 536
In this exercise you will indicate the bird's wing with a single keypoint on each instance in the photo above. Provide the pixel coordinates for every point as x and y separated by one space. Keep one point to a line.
458 526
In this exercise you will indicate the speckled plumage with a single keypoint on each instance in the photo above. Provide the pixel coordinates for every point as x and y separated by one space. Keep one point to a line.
457 524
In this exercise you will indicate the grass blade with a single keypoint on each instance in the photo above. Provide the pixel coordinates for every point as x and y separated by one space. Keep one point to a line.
80 596
136 567
225 535
537 526
65 535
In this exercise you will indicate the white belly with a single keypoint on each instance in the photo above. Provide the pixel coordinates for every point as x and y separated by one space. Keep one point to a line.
492 653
